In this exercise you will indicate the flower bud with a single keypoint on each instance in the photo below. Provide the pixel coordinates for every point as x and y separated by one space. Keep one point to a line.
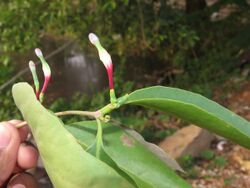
104 57
32 67
46 72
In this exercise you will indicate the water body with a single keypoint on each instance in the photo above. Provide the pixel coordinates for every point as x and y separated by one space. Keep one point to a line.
76 71
73 70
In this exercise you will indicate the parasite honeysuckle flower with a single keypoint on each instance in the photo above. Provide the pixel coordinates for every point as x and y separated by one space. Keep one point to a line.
107 61
104 57
32 67
46 72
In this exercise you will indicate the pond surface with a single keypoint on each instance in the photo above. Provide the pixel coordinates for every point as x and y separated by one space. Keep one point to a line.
73 70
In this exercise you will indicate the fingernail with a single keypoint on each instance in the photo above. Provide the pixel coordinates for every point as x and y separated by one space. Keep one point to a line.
18 186
4 136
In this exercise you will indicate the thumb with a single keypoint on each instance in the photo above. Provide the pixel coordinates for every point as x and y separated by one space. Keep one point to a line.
9 144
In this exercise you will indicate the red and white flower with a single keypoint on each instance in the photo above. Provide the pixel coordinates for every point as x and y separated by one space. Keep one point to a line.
104 57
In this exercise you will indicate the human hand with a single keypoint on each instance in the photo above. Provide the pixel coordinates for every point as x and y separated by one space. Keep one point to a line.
16 157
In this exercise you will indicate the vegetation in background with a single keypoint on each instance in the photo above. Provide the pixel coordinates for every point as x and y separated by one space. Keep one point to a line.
208 158
155 44
183 50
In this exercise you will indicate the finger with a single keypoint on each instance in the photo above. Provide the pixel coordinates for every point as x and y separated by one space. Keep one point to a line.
23 131
27 156
9 144
23 180
17 169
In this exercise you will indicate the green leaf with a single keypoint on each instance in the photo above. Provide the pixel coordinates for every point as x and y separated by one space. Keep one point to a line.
130 155
195 109
67 163
167 159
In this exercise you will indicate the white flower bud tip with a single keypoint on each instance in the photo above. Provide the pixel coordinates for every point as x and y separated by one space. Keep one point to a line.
46 71
31 64
106 59
93 38
38 52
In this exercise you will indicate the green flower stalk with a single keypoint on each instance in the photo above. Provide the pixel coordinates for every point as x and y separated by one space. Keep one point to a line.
46 72
107 61
32 67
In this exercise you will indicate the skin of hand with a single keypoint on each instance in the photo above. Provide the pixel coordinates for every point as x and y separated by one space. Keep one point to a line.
16 156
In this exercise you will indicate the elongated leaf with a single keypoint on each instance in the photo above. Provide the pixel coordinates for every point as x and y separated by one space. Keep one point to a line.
67 163
156 150
130 155
196 109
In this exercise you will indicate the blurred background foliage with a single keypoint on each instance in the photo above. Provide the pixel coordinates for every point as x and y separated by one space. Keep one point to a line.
191 46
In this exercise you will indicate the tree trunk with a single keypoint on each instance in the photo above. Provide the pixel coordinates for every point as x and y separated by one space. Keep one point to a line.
195 5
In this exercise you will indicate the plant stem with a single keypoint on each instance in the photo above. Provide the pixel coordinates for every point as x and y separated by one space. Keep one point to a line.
107 109
96 114
20 125
113 98
99 142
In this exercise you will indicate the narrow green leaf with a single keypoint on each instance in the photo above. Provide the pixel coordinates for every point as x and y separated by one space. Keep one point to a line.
130 155
195 109
156 150
66 162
